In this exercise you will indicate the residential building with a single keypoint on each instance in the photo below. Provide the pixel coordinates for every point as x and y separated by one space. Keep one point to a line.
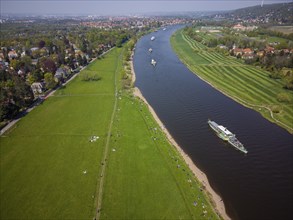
38 87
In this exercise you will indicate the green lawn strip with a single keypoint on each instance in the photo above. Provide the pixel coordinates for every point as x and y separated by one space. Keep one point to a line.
199 60
77 115
194 44
226 86
253 86
227 59
100 185
271 87
198 44
215 57
47 182
264 97
143 180
244 88
85 88
207 57
192 190
220 58
43 159
207 74
191 58
210 57
48 166
190 55
263 76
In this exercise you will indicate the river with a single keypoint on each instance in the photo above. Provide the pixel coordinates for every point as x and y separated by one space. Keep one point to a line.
258 185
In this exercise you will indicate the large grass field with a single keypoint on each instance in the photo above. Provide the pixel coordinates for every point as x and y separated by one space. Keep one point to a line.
43 158
146 177
246 84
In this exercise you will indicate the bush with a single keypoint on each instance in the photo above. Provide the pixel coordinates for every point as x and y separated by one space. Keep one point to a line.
289 82
124 74
275 75
126 83
49 80
284 97
276 109
89 76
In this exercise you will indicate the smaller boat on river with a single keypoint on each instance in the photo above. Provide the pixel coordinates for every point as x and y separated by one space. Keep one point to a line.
153 38
153 62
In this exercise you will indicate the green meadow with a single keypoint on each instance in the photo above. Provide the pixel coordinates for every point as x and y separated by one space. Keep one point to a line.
249 85
146 177
49 168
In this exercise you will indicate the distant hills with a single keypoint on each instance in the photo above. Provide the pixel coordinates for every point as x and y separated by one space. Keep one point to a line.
281 13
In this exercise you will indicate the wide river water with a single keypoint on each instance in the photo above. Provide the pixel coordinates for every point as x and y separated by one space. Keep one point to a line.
258 185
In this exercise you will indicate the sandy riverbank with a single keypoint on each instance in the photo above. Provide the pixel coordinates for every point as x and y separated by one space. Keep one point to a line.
217 200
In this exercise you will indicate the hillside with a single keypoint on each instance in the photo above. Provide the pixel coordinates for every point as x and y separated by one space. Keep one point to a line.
281 13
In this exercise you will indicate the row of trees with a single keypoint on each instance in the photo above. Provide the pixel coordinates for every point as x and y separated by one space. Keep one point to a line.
126 74
15 95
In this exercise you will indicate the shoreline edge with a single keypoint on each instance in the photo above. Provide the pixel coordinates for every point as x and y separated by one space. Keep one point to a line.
217 201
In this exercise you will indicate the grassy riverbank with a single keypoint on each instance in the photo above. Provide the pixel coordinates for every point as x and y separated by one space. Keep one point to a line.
49 169
146 177
246 84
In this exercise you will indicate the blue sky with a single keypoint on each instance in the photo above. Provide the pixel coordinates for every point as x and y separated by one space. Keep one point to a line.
119 7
